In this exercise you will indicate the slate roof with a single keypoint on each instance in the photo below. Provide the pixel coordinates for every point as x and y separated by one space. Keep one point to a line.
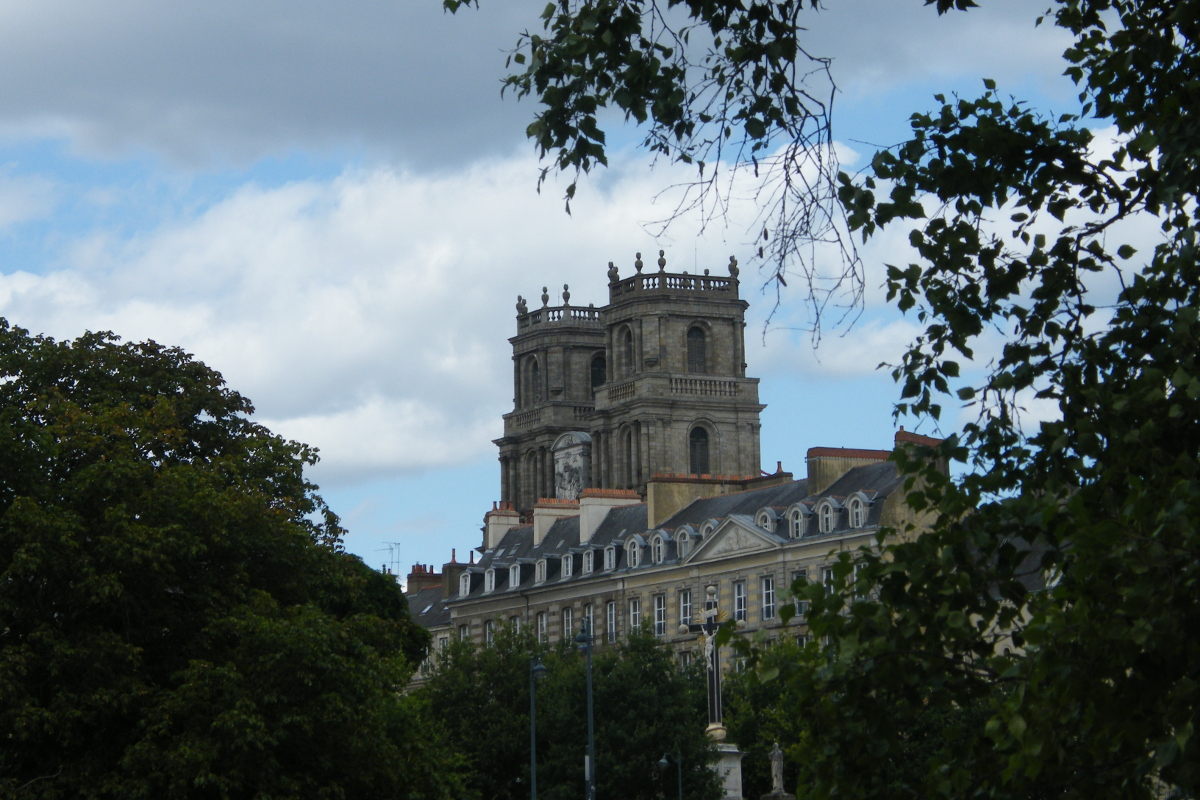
874 481
429 608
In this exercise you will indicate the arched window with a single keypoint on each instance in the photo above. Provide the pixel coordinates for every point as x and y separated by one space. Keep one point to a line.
656 550
540 571
489 580
464 584
610 558
568 565
588 561
627 351
535 378
683 544
698 451
826 518
631 460
857 516
695 350
795 525
514 576
634 554
599 371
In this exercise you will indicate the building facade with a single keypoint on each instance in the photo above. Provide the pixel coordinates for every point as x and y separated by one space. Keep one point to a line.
631 479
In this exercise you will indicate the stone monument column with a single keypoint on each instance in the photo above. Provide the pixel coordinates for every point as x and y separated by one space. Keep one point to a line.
729 758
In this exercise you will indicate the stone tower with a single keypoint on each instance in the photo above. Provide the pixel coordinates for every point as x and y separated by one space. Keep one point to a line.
654 382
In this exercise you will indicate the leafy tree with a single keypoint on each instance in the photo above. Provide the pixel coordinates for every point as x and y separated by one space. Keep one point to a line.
1059 586
644 706
178 619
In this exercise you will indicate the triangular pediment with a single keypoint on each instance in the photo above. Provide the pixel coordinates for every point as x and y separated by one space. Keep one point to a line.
732 536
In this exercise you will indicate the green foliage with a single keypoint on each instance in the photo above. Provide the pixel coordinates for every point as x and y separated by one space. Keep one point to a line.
644 706
177 618
1058 592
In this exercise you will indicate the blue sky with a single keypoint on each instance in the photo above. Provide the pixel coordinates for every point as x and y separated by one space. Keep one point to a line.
331 204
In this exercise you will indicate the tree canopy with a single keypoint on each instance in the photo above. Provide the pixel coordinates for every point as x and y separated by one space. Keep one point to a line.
1059 588
645 706
177 618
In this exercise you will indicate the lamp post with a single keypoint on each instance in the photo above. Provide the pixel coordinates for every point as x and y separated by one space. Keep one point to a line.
536 671
666 761
584 640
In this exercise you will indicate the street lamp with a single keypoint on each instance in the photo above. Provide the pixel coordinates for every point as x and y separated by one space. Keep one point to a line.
536 672
584 640
666 761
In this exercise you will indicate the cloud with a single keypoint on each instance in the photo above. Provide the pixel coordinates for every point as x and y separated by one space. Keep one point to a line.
25 198
226 81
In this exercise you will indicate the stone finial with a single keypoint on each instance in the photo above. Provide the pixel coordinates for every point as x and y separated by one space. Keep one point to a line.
613 274
545 297
638 264
662 261
705 272
566 295
733 267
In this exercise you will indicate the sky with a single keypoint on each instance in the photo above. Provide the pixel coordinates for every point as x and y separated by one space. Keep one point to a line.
331 204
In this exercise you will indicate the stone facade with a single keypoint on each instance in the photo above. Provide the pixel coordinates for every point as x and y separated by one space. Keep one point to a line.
656 379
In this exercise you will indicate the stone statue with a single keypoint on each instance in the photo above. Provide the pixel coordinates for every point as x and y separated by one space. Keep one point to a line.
613 274
733 267
777 790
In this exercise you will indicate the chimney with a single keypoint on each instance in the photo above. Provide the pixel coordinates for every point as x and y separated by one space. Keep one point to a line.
594 505
421 577
547 511
497 522
827 464
451 571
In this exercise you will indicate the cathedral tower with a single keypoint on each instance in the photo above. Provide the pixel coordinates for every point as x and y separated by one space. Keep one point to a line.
654 382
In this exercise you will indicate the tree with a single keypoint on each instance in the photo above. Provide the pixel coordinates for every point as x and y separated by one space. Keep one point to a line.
645 706
1059 586
178 619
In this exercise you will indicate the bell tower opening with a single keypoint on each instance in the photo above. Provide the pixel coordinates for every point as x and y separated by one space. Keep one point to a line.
599 372
695 350
698 451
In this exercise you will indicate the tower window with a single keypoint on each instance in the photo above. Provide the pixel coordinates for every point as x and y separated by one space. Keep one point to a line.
627 348
695 351
599 371
535 377
698 451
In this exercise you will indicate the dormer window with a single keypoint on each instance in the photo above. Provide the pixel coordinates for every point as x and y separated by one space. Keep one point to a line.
657 550
683 543
633 553
610 558
540 571
589 562
568 565
795 524
765 519
858 513
826 517
464 584
489 580
514 576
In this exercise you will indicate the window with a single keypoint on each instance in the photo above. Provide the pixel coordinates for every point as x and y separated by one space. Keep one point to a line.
489 580
589 559
635 613
795 524
599 371
683 544
589 619
515 622
627 350
768 597
656 550
489 632
858 570
611 628
698 451
685 659
826 517
829 580
630 460
464 584
568 623
695 350
541 627
568 565
685 606
739 601
633 553
858 517
540 574
535 378
800 576
660 615
610 558
514 576
464 632
803 639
